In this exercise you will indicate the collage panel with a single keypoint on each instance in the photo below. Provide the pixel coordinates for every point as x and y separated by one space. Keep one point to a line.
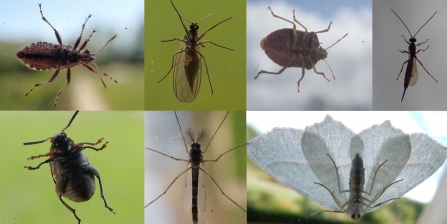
29 196
348 83
31 55
220 136
207 75
392 34
290 156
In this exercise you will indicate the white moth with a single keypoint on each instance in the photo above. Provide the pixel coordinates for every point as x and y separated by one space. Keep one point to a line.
347 172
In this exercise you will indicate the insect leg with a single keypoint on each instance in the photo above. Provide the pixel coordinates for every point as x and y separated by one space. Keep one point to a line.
294 28
402 66
424 68
89 143
171 182
80 35
63 89
95 172
323 31
52 78
221 189
212 137
100 74
185 160
315 69
380 194
206 67
422 43
208 41
172 63
273 73
203 34
58 37
224 153
86 42
60 184
422 50
40 164
91 147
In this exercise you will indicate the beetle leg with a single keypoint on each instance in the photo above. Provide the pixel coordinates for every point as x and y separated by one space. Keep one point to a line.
63 89
42 155
58 37
70 208
94 148
95 172
52 78
40 164
89 143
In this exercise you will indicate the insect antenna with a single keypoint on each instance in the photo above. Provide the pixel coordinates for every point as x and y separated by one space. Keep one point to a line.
105 44
404 23
337 41
49 138
178 123
426 22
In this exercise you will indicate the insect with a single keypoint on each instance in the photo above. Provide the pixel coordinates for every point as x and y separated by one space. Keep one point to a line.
294 48
46 56
347 172
71 171
187 62
194 190
412 74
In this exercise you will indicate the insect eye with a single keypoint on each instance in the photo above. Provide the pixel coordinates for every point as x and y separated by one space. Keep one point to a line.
87 52
194 27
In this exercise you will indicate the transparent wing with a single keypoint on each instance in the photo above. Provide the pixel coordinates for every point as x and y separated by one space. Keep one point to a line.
187 189
414 74
187 73
201 197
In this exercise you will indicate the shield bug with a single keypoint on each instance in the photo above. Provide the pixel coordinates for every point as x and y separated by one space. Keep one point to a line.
187 62
46 56
71 171
412 74
294 48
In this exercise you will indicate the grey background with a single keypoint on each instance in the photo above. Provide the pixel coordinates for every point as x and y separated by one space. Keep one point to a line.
387 60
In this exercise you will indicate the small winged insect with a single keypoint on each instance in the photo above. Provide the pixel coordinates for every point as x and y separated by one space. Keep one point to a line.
194 191
46 56
187 62
294 48
71 171
347 172
412 74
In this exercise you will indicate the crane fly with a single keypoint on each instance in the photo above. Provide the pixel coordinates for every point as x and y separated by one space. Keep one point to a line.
194 190
412 74
187 62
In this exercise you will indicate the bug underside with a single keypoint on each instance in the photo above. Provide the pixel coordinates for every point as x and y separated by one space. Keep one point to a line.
278 46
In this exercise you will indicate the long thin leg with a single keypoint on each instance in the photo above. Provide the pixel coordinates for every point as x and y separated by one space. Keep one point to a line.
100 74
58 37
40 164
52 78
402 68
221 189
63 89
208 41
425 68
212 137
208 74
203 34
80 35
71 209
169 184
95 172
172 63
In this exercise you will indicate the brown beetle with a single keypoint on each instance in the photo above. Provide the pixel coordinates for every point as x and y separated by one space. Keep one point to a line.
71 171
46 56
294 48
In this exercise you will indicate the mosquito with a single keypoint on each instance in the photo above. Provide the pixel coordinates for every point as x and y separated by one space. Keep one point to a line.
412 74
187 62
194 191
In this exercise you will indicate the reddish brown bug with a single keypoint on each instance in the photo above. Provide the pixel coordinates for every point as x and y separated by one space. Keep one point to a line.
47 56
294 48
412 74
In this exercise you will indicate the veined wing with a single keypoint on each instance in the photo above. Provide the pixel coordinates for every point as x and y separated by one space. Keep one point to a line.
187 189
187 73
414 73
201 197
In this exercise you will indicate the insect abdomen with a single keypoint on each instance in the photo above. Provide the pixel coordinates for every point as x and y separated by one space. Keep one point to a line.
47 56
80 187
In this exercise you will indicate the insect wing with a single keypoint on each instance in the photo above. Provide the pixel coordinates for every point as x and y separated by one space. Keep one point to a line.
187 73
414 73
201 197
187 189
